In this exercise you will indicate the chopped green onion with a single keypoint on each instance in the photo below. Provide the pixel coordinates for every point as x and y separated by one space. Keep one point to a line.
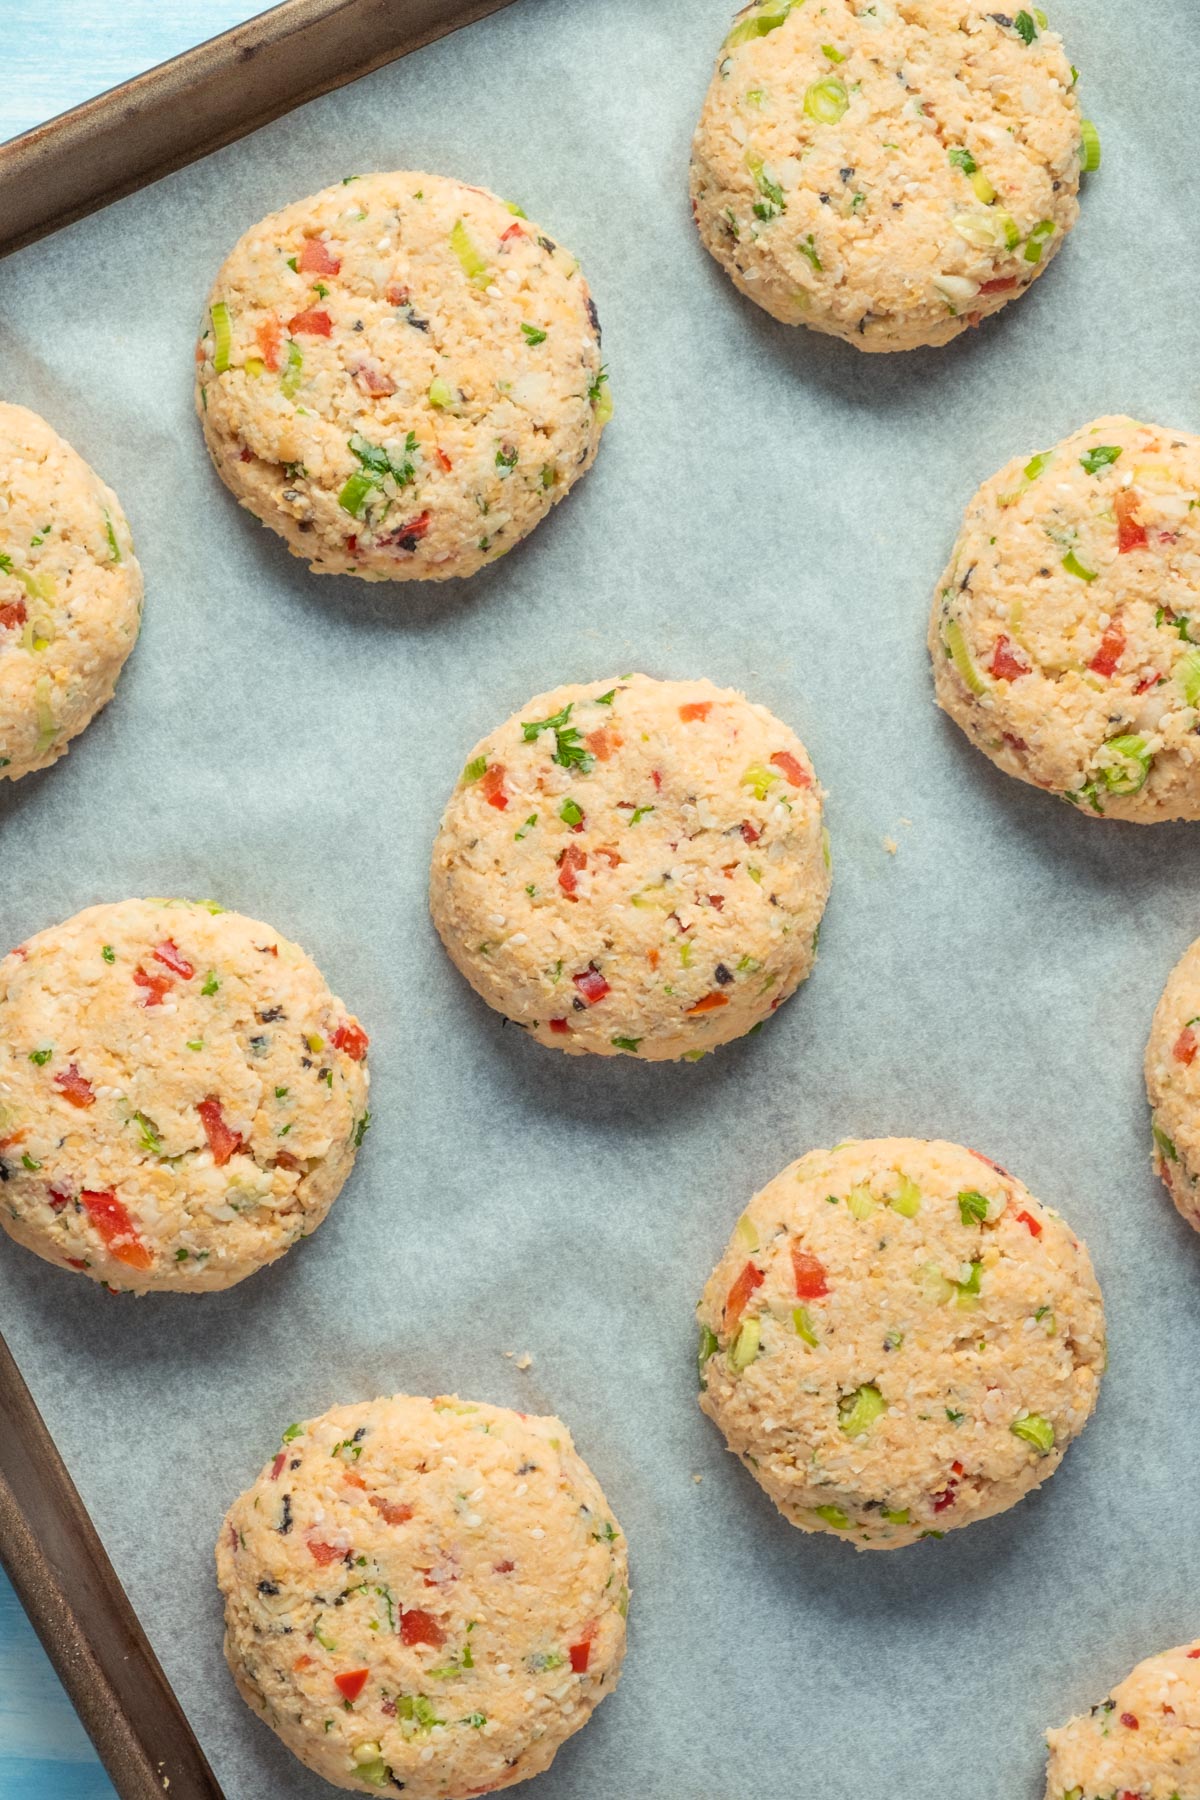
759 779
40 1057
600 395
708 1347
833 1515
627 1043
1187 674
1025 28
475 769
526 828
747 1232
827 100
962 159
897 1517
857 1412
960 656
772 202
1165 1144
1124 763
570 812
211 984
1035 242
1073 566
968 1290
222 336
758 25
1036 464
533 334
1090 149
357 491
745 1346
30 1162
833 53
113 546
803 1325
860 1203
1101 457
289 381
474 263
440 392
1035 1430
907 1199
108 953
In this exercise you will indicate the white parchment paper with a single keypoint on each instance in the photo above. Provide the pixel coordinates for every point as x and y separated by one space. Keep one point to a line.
771 509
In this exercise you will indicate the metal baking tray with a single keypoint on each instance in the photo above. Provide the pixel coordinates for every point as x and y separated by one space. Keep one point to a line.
769 509
210 96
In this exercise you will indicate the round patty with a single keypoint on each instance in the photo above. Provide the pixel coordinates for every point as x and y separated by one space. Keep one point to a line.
1142 1743
1173 1085
401 376
634 867
888 173
70 593
424 1594
181 1096
899 1340
1061 633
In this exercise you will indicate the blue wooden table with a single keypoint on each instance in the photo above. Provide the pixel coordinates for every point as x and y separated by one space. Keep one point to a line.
56 53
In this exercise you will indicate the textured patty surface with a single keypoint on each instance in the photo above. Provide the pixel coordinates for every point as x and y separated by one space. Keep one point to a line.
1065 632
181 1096
1142 1743
1173 1085
70 593
889 173
899 1340
400 376
424 1594
634 867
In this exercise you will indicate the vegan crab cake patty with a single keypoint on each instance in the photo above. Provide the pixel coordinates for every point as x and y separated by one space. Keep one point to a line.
400 375
634 867
899 1340
1142 1743
1065 632
889 174
70 593
1173 1085
424 1594
181 1096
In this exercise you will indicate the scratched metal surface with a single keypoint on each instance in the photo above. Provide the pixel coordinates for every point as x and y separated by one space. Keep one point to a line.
772 510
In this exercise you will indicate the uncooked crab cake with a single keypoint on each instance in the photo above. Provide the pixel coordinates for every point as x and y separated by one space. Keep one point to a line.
1173 1085
1142 1743
1061 632
634 867
424 1594
70 593
899 1340
889 174
181 1096
400 375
